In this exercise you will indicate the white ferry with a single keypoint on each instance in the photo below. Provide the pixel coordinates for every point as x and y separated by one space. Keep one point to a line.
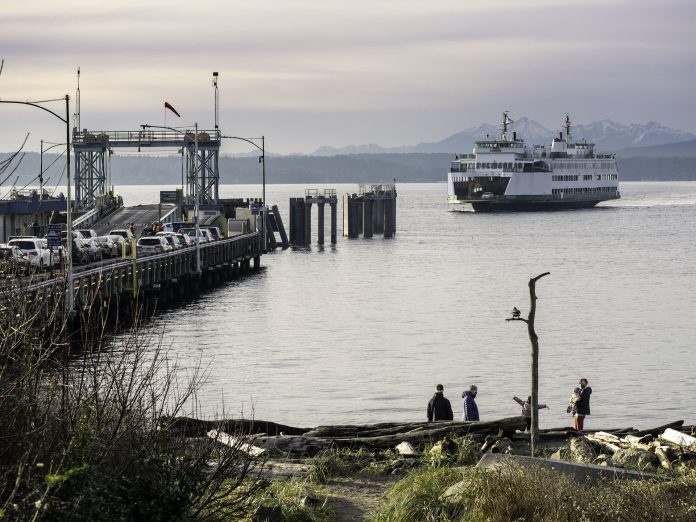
506 174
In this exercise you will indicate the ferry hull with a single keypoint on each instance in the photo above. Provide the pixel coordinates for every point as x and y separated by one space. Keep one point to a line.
520 205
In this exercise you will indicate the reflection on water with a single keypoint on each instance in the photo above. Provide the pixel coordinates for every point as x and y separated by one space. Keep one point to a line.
361 332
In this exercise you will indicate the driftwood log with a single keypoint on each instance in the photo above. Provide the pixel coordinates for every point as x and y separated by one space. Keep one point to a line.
385 436
190 427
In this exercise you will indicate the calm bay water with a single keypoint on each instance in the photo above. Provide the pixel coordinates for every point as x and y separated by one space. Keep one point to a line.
361 332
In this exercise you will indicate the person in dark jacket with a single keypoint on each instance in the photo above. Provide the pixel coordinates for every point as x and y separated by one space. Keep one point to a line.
581 407
471 412
439 408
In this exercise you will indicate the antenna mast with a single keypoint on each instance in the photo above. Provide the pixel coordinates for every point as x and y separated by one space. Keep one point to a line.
77 102
567 127
217 100
504 127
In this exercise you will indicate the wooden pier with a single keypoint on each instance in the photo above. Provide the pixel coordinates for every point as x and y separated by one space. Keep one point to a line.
166 275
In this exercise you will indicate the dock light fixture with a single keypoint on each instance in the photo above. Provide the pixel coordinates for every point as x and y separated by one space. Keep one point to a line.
69 297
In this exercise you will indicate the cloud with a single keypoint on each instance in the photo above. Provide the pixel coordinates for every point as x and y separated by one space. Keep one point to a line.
375 58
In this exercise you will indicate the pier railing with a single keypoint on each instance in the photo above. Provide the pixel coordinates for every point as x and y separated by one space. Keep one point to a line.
143 137
144 273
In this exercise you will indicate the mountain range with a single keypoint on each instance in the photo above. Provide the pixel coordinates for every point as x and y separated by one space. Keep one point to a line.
607 135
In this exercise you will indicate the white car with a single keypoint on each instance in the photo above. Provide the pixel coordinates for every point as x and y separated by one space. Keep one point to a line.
153 245
88 233
173 239
204 235
55 254
38 256
120 242
95 251
185 240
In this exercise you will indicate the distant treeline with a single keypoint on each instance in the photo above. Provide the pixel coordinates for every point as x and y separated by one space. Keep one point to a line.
358 168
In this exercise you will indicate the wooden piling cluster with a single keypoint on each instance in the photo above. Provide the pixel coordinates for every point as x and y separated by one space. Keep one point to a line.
301 216
371 211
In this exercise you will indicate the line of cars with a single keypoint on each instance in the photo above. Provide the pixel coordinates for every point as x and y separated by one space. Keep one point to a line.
166 241
25 254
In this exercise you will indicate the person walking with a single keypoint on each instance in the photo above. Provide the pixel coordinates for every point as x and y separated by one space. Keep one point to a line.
527 409
471 412
439 407
580 404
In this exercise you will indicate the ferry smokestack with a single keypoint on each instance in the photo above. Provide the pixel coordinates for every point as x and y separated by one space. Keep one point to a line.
560 135
514 136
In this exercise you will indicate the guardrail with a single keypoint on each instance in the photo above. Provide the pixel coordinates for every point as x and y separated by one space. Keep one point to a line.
133 275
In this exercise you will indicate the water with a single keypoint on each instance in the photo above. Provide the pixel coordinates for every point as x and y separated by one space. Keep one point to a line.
361 332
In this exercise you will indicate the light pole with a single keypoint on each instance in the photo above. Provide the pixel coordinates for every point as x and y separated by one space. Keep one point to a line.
69 296
262 160
195 182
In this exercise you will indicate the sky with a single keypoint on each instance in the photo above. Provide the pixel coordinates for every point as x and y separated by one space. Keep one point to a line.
308 73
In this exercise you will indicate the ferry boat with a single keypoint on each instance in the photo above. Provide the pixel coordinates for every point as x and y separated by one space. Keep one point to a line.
506 174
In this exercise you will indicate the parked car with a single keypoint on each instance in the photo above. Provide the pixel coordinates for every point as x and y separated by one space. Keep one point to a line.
120 242
38 256
123 232
172 239
88 233
215 232
75 234
95 251
204 235
108 247
55 255
13 261
184 240
80 251
153 245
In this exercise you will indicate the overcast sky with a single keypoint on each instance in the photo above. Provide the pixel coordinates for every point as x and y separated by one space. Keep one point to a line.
308 73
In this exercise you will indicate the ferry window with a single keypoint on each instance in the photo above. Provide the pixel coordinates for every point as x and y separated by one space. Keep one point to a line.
494 165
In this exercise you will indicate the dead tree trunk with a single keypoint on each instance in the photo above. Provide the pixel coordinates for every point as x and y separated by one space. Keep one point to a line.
534 339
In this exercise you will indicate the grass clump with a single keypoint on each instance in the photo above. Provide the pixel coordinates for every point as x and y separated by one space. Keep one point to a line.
345 461
418 496
534 495
288 495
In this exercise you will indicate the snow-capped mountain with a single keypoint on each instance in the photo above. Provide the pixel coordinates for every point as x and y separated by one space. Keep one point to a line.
607 135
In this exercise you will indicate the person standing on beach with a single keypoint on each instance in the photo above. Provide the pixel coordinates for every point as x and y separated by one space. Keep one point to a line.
527 409
580 404
471 412
439 407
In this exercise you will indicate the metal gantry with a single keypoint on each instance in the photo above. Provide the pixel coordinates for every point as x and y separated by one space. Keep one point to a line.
92 160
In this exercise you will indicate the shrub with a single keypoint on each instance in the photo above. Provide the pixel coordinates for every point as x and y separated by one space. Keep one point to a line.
83 421
535 495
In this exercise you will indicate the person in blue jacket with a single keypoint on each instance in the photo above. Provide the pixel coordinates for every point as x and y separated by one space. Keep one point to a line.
471 412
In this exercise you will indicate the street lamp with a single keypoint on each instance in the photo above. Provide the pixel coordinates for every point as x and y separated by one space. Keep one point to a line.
69 297
262 160
195 184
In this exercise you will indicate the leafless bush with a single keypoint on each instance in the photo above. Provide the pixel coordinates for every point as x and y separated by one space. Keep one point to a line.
84 422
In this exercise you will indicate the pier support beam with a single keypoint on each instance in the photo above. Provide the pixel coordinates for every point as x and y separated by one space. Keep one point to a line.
320 221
